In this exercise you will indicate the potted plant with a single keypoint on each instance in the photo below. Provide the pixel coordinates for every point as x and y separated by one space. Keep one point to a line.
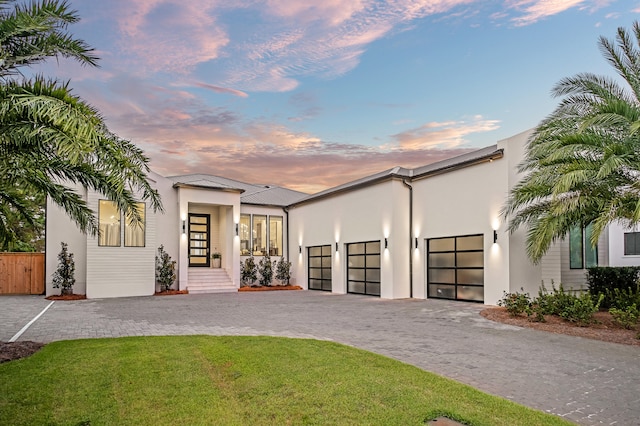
216 257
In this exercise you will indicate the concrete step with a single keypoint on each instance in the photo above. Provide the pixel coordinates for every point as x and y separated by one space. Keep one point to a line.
210 280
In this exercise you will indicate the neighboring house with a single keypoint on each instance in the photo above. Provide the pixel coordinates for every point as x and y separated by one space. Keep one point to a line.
430 232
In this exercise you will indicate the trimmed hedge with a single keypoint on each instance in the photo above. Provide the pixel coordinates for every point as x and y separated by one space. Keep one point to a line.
605 279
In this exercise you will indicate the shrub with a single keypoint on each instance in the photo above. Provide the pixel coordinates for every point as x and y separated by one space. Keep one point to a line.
603 280
516 303
248 271
626 317
265 268
165 269
621 299
581 309
283 271
64 276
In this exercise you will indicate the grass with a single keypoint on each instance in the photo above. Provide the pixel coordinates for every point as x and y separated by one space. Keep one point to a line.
193 380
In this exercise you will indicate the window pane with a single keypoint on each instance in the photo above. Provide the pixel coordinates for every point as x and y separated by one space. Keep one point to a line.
444 291
473 242
355 248
373 275
442 244
470 276
326 285
373 289
315 262
315 273
470 293
373 261
442 276
631 243
373 247
590 252
315 251
356 274
275 235
134 233
356 287
326 274
470 259
356 261
315 284
442 259
259 235
326 250
326 262
109 219
575 248
244 232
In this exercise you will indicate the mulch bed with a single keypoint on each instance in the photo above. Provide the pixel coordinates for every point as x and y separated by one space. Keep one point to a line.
271 288
67 297
17 350
603 329
170 292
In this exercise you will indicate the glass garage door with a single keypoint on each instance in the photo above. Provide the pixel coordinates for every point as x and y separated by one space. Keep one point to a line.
319 261
456 268
363 268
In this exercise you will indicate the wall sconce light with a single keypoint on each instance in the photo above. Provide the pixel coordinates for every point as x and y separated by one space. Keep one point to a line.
236 229
416 242
300 249
495 236
336 246
184 226
386 243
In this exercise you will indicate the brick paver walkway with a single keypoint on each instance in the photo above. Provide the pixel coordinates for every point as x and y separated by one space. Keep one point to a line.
586 381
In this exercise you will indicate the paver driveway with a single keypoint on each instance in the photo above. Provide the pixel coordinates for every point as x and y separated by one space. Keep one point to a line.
587 381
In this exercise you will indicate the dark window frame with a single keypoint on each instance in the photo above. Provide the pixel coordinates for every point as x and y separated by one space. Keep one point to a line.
365 268
320 268
636 244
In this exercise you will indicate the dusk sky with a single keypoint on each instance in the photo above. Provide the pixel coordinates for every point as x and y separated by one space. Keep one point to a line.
312 94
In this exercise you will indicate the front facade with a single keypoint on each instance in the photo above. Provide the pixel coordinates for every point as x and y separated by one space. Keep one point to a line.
430 232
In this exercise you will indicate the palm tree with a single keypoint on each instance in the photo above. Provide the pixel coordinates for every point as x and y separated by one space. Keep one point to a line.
50 138
582 163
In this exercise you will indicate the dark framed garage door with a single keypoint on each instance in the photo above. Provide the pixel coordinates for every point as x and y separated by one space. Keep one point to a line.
319 261
456 268
363 268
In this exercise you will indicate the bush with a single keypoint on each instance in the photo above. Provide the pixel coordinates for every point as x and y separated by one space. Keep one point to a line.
64 276
283 271
248 271
516 303
627 317
165 269
581 309
621 299
265 268
604 280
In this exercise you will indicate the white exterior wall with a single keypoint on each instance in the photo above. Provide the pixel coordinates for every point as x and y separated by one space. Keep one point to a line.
167 234
616 246
464 202
59 228
367 214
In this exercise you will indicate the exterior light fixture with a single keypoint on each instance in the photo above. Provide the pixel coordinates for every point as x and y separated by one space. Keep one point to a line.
386 243
495 236
336 246
236 229
300 249
416 242
184 226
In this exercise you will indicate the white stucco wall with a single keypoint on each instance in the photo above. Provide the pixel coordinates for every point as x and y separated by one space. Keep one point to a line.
615 245
367 214
168 231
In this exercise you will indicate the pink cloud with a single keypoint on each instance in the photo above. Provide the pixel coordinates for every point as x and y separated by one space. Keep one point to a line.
219 89
449 134
534 10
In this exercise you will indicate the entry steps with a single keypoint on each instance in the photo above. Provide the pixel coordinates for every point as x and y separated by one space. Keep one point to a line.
210 280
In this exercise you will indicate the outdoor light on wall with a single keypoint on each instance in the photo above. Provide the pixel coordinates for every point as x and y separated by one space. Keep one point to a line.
386 243
416 242
495 236
300 249
236 229
184 226
336 246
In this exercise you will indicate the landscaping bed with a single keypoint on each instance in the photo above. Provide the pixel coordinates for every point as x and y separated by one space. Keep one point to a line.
270 288
66 297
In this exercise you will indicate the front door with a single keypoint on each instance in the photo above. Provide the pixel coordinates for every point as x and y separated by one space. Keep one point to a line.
199 239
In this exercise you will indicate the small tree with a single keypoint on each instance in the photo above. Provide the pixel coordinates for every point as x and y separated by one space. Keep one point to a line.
64 276
265 267
248 271
165 269
283 271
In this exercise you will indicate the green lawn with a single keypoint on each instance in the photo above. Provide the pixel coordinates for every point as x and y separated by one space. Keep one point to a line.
198 380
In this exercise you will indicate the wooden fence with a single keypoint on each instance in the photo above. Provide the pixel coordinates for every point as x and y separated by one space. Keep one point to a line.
21 273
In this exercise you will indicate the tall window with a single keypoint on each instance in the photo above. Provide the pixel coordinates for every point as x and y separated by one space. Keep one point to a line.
631 243
259 235
275 235
581 253
134 232
245 234
109 224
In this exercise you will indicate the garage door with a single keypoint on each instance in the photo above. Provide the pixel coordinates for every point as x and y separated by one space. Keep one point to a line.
456 268
363 268
319 268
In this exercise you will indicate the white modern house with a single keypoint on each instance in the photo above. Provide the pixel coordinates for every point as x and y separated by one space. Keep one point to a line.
430 232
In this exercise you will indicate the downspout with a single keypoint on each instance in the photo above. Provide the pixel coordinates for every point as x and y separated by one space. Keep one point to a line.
285 209
404 181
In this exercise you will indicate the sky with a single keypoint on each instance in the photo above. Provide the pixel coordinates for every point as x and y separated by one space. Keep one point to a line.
309 94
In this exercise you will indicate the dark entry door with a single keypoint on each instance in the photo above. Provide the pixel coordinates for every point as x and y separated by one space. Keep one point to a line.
198 239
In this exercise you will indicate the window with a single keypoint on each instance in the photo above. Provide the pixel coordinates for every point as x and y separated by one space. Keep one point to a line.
319 268
134 232
631 243
259 235
245 234
581 253
275 235
109 224
363 268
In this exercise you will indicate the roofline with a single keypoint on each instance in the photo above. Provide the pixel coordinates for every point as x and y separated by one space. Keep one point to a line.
494 155
217 188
